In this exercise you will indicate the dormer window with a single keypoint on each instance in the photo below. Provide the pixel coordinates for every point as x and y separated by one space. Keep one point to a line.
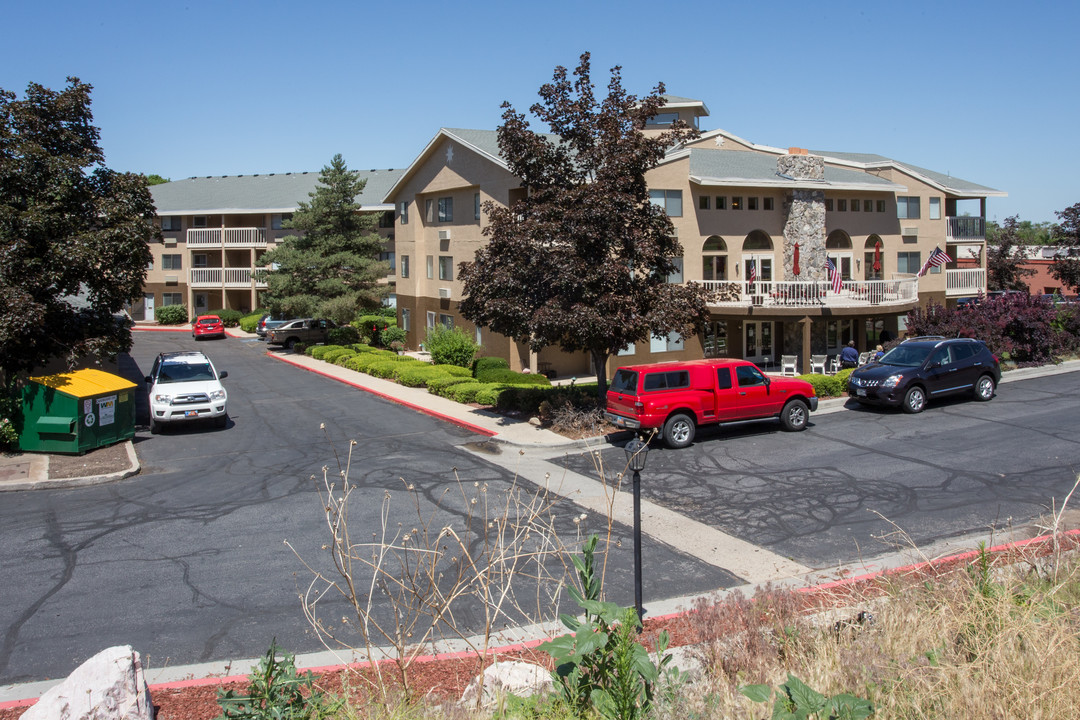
664 118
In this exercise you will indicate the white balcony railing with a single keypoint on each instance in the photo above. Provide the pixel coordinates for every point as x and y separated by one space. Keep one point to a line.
233 277
249 237
965 281
903 289
965 228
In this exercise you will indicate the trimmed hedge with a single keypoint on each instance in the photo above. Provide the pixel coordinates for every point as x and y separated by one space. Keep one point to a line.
337 353
417 374
383 369
471 392
455 370
250 322
829 385
509 377
345 335
229 318
171 315
319 351
438 385
489 363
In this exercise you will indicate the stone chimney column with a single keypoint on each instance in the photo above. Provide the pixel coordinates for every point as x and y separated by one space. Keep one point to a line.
805 223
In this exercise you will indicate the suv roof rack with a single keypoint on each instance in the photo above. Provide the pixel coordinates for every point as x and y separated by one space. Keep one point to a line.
925 337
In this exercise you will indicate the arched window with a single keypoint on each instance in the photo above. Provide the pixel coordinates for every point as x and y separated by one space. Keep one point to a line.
757 240
838 248
758 255
874 258
714 259
838 240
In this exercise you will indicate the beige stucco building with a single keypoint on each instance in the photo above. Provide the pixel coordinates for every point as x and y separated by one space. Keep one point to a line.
740 210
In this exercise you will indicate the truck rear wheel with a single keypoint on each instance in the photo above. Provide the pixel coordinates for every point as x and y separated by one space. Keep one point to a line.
795 415
290 344
679 431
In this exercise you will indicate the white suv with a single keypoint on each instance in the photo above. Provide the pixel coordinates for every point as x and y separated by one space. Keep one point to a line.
185 386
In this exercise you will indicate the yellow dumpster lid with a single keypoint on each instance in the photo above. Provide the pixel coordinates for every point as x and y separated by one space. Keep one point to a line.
84 383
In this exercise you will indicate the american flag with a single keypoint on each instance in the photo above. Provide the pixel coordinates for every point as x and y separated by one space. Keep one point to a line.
834 275
937 258
751 271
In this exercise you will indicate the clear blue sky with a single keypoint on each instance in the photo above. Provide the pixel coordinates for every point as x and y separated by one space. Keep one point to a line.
985 91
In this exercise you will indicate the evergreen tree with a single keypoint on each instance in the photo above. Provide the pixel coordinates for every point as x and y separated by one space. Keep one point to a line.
582 261
74 234
332 270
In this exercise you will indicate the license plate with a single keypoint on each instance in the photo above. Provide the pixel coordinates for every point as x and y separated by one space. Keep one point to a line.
191 413
860 392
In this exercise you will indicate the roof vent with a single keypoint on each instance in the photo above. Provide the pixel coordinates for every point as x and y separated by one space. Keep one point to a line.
272 174
288 173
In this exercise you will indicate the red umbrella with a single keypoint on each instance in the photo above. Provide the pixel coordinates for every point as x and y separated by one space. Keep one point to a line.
795 262
877 257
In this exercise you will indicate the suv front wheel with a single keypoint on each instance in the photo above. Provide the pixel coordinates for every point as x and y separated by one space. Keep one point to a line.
679 431
914 400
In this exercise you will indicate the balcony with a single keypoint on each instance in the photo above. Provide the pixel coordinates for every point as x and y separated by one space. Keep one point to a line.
965 228
233 277
965 281
903 289
250 237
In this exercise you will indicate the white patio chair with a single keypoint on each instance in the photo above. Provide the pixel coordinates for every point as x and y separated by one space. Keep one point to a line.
864 358
834 364
788 362
817 363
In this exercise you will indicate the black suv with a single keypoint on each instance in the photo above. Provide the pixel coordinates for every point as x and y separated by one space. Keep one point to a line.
923 368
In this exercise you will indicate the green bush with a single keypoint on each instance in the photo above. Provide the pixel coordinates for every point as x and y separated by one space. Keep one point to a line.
383 369
319 351
482 393
828 385
345 335
483 364
455 370
344 358
387 312
249 322
301 348
438 385
451 347
229 318
336 353
509 377
489 394
393 334
362 347
372 326
417 374
522 398
171 315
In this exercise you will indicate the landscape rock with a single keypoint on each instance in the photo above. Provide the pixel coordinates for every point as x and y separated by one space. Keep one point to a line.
511 676
109 686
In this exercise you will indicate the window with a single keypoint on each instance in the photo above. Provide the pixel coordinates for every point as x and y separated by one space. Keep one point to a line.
278 220
170 223
881 206
403 212
908 262
666 343
628 350
430 266
477 337
446 267
172 298
768 204
671 380
386 220
855 205
447 321
907 208
404 266
828 205
199 221
430 319
662 118
150 265
723 378
721 202
676 277
736 203
198 260
841 205
867 205
935 208
406 319
749 376
387 257
446 209
476 206
670 200
714 259
751 203
172 262
429 211
703 202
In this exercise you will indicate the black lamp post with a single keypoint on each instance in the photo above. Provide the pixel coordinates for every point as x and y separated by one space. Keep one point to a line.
636 452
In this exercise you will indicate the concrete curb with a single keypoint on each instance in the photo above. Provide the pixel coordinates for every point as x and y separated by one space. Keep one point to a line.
40 479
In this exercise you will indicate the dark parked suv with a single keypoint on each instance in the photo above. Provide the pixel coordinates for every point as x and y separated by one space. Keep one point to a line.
924 368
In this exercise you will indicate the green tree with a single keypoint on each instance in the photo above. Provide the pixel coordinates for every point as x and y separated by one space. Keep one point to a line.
73 234
1005 259
332 270
1066 267
155 179
1025 232
582 261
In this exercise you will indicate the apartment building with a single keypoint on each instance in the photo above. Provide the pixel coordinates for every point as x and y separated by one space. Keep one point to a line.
215 229
758 226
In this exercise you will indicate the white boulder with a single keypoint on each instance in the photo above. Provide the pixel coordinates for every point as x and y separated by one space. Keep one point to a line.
510 676
109 686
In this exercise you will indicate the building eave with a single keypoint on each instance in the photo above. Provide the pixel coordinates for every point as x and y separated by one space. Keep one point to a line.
781 182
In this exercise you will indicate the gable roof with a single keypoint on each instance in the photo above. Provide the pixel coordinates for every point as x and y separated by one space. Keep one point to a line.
276 192
751 169
942 181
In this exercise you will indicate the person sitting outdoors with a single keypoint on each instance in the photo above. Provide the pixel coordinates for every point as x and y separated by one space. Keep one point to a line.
878 353
849 356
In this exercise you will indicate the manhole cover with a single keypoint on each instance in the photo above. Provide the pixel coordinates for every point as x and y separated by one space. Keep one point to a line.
484 446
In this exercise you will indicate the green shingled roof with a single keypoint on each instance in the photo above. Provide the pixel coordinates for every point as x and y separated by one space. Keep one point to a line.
276 192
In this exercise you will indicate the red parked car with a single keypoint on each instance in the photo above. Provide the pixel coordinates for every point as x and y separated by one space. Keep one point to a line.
207 326
677 397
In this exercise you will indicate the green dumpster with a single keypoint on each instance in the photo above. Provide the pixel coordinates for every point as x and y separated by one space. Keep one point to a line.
77 411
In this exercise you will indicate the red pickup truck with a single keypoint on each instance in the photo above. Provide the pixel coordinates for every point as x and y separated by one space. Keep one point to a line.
677 397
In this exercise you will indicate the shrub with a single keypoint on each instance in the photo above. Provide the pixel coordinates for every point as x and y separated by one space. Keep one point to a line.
250 322
454 370
417 374
488 394
438 385
451 347
345 335
301 348
319 351
521 398
464 392
829 385
509 377
229 318
387 312
383 368
488 363
372 326
393 334
338 352
171 315
362 347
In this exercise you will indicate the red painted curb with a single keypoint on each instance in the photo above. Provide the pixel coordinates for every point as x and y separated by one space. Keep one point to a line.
419 408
